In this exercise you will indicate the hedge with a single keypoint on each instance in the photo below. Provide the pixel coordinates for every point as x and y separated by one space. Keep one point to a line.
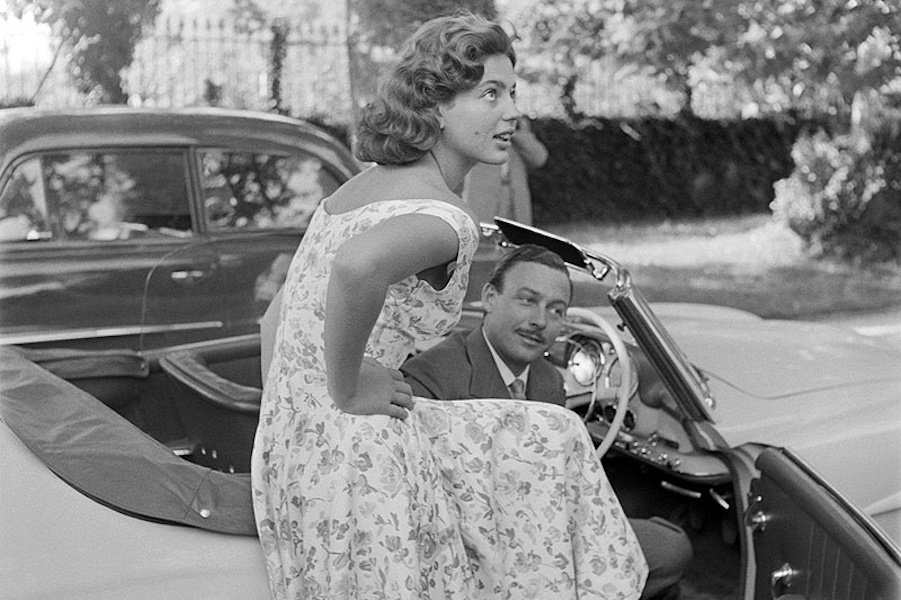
620 170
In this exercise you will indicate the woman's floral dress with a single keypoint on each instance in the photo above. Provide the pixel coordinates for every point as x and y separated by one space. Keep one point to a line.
464 500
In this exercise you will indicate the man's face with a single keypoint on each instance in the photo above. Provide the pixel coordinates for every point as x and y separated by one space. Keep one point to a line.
524 319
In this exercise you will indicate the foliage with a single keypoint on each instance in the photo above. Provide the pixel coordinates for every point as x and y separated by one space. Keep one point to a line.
212 92
100 35
278 50
376 30
16 102
388 23
341 131
618 170
844 197
806 55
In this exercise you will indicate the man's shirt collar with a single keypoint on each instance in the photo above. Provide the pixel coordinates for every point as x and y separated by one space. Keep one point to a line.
506 374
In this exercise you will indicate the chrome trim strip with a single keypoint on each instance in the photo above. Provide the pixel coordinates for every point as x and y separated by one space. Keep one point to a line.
676 489
80 334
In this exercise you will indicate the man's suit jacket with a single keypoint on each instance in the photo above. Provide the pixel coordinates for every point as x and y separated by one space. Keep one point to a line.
463 368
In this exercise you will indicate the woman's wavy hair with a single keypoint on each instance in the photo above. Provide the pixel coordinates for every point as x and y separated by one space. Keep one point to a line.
445 56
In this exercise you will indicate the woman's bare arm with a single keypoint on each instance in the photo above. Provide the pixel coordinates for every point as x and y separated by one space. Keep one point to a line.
362 270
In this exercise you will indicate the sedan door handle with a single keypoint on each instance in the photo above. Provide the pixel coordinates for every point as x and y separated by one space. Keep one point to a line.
189 276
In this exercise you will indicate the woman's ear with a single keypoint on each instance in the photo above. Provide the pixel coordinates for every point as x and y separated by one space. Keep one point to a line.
439 114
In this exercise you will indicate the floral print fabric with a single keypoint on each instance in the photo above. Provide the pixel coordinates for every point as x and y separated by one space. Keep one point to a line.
464 500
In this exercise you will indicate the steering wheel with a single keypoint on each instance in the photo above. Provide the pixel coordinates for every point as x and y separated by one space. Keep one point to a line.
628 381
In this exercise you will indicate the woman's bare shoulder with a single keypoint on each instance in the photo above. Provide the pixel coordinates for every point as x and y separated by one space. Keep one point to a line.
379 183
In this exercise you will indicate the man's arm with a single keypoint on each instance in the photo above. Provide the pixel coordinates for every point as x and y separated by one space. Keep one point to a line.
440 372
534 154
420 375
559 396
546 383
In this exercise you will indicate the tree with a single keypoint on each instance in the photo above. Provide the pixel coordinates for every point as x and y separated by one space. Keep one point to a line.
823 54
376 30
251 15
388 23
100 35
807 55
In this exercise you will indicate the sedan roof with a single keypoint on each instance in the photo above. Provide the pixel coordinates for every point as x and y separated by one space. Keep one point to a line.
27 130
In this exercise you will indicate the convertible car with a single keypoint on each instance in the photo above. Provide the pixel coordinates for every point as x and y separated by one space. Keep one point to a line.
775 445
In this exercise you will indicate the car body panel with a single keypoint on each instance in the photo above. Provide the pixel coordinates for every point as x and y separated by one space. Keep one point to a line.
811 356
60 544
827 392
47 524
802 535
123 126
853 440
70 286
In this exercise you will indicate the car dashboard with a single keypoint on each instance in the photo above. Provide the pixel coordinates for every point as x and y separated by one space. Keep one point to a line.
652 431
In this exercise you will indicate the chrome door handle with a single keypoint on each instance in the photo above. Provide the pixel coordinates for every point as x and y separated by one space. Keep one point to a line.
781 581
757 521
188 276
755 518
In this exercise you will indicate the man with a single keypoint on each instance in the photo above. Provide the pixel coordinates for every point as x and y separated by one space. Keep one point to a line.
520 324
525 303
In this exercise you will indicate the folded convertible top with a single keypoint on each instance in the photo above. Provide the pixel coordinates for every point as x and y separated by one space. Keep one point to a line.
98 452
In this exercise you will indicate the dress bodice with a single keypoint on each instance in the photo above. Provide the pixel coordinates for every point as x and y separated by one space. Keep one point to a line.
413 311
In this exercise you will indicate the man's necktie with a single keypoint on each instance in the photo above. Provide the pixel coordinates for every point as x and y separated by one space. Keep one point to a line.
518 389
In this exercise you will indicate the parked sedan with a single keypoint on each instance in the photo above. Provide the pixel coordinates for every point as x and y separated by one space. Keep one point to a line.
774 444
124 227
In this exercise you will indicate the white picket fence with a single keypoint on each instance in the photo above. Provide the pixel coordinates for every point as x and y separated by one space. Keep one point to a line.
182 59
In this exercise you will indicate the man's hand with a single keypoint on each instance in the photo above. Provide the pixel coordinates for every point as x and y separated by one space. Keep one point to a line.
380 391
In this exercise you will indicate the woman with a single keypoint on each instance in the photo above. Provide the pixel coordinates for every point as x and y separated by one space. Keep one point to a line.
360 490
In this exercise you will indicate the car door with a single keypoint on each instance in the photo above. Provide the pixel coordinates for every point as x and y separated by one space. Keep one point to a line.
805 540
257 203
95 231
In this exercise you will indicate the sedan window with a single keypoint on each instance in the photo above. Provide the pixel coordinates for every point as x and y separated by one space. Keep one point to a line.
100 196
248 190
23 205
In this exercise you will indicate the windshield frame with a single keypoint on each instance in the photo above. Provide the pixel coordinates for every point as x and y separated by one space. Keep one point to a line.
683 380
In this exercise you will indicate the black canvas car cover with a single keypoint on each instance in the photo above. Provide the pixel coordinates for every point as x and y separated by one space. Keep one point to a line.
101 454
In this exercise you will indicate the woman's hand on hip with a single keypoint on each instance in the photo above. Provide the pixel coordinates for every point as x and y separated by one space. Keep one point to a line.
380 391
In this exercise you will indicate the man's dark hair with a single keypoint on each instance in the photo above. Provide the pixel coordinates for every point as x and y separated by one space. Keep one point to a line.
527 253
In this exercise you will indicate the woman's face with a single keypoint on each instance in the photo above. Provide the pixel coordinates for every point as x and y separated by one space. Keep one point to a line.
478 123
